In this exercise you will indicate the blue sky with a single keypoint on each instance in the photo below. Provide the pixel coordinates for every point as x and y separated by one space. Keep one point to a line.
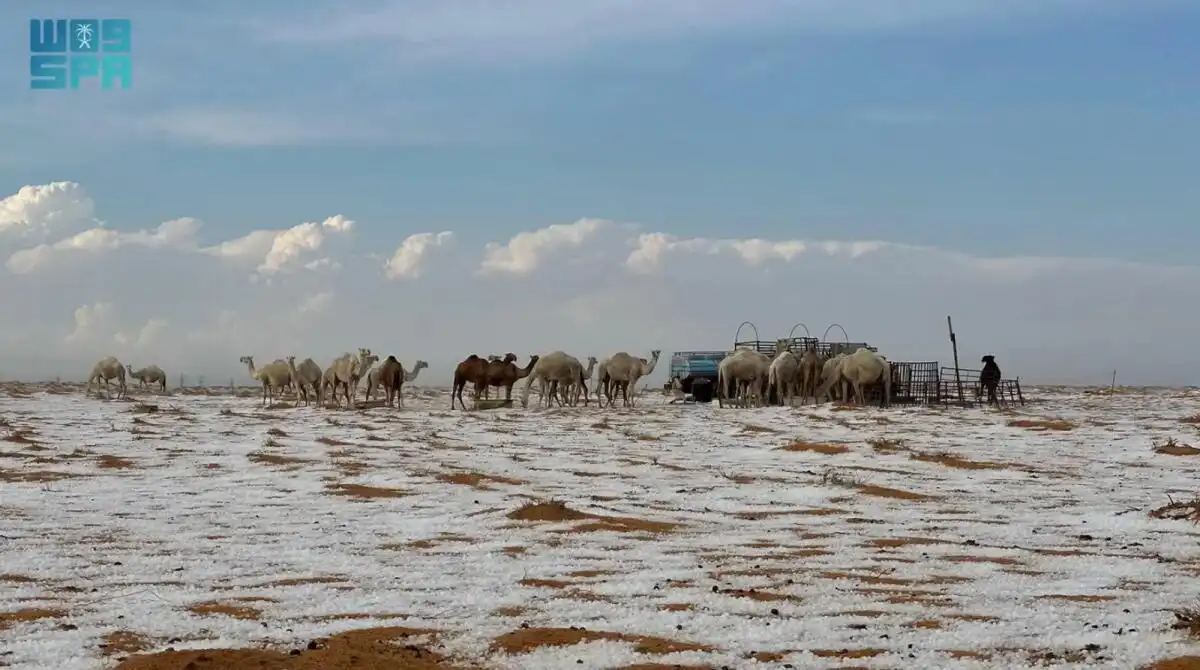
1016 128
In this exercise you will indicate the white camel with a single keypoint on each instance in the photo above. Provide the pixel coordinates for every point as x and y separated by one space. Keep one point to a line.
623 371
373 378
746 370
781 375
579 389
859 369
831 374
346 371
809 374
307 378
274 376
151 374
551 370
105 369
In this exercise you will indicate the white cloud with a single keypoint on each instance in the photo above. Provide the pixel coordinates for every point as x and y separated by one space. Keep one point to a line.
591 287
526 251
651 249
61 204
92 323
409 260
284 250
315 304
178 234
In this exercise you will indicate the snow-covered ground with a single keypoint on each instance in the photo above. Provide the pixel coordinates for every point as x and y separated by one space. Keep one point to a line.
802 537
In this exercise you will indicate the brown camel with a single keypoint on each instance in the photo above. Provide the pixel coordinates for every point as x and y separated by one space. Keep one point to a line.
506 373
390 375
495 365
472 369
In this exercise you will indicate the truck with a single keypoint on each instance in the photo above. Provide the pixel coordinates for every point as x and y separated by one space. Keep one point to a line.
695 372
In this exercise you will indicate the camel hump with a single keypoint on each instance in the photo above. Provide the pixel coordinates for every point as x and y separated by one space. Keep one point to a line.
472 357
392 359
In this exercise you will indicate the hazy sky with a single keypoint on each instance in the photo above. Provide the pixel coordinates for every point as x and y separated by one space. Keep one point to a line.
433 178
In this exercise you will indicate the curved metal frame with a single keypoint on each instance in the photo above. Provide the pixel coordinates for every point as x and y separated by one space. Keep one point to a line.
792 332
845 337
739 332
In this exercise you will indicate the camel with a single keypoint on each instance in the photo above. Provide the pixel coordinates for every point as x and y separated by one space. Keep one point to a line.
345 371
151 374
602 381
781 375
506 373
273 376
989 378
471 369
389 375
809 373
108 368
580 390
830 374
859 369
746 369
623 370
551 370
307 377
386 371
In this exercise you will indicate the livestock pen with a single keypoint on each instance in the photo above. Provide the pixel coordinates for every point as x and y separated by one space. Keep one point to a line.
913 382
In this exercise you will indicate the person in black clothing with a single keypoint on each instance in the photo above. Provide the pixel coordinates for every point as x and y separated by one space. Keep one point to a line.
989 377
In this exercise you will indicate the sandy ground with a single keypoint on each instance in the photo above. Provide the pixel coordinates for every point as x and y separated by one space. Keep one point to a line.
658 537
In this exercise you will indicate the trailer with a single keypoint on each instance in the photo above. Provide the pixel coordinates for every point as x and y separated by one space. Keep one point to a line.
695 373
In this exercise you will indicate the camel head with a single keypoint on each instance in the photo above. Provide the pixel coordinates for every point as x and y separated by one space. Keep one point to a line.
511 357
782 345
493 358
988 359
291 361
248 360
419 365
592 360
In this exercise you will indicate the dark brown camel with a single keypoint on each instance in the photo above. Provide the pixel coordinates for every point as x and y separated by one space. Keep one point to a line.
391 377
506 373
496 365
989 377
473 369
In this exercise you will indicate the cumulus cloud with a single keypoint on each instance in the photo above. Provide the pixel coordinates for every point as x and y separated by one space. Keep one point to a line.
57 205
284 250
409 259
162 295
527 250
178 234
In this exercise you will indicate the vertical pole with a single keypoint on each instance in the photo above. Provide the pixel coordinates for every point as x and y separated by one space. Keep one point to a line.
1020 396
957 376
1113 389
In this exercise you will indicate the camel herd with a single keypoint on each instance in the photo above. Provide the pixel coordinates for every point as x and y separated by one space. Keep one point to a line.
744 378
753 375
559 375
